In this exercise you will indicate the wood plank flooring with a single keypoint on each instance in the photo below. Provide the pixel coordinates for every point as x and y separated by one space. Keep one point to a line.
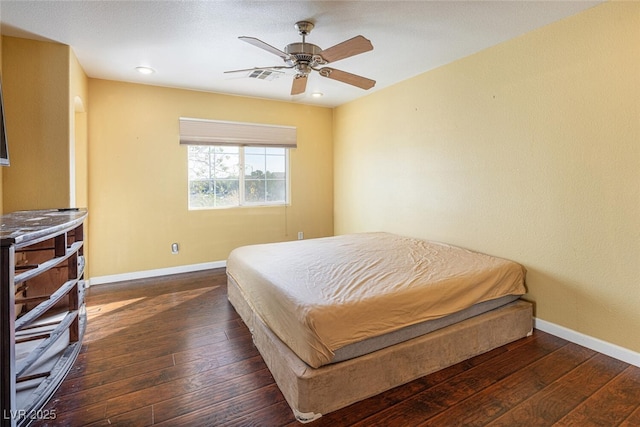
171 351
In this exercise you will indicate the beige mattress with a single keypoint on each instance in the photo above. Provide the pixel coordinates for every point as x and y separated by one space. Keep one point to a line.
321 295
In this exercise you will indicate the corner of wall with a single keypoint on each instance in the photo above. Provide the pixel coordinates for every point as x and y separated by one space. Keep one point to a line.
36 113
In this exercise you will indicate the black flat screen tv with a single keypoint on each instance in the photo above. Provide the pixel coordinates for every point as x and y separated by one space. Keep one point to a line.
4 150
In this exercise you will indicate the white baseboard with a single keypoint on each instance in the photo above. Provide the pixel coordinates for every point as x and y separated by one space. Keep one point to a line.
600 346
101 280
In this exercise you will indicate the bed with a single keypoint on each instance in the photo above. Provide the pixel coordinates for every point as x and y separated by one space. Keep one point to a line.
343 318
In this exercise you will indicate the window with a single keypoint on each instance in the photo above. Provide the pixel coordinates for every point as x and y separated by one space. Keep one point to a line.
226 176
237 163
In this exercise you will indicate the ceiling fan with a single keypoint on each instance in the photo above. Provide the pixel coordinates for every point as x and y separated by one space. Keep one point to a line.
306 57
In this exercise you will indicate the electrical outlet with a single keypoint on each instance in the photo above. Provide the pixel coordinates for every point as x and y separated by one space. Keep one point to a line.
175 248
300 235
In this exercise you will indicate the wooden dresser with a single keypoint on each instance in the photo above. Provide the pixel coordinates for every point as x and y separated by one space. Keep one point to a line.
42 311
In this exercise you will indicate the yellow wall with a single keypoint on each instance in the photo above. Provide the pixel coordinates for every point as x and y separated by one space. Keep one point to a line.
79 148
78 99
529 150
36 91
138 178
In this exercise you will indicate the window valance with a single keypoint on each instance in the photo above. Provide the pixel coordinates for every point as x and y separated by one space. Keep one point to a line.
216 132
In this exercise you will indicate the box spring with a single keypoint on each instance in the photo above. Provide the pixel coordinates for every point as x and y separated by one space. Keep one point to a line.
312 392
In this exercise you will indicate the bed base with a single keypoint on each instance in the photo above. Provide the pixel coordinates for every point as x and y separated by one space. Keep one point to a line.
312 392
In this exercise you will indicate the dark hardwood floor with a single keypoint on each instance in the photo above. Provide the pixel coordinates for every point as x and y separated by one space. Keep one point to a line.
172 351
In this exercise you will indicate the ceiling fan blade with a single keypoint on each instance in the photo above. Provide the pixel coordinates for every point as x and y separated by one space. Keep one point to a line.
277 67
347 48
299 85
262 45
344 77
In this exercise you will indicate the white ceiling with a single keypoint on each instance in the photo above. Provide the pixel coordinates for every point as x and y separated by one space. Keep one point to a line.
191 43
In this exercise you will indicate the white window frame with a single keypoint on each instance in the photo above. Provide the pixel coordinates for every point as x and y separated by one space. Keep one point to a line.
242 202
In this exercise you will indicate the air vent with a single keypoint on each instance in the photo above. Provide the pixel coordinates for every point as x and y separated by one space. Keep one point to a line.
264 74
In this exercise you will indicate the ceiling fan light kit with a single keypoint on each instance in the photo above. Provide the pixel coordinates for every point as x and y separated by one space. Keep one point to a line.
305 57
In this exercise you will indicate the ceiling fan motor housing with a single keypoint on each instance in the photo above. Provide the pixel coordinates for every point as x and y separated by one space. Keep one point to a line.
304 56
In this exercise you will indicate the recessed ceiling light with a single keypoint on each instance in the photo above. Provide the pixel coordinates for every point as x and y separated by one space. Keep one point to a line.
145 70
317 94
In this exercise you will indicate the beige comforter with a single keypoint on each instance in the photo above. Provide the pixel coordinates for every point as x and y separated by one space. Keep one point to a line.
319 295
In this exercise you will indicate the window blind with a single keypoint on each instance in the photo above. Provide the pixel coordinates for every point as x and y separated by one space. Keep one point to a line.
216 132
